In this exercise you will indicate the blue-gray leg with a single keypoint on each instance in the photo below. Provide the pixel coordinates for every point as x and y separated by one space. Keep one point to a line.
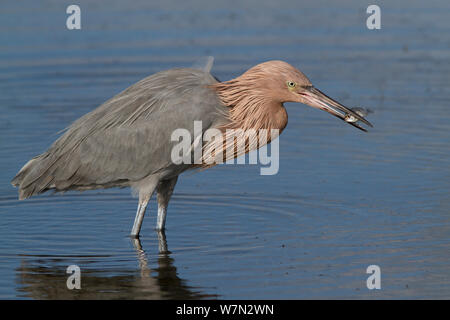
140 213
165 190
145 193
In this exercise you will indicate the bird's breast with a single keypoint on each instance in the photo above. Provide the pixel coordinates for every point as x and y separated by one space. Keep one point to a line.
280 118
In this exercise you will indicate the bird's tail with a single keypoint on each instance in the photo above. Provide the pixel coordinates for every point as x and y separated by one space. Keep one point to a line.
33 178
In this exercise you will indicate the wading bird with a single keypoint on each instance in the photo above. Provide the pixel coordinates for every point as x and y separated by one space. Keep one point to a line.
126 142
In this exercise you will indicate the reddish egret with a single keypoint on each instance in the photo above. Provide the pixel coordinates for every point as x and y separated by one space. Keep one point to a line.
126 142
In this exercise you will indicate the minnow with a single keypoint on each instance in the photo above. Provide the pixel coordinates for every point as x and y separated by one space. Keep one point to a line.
360 111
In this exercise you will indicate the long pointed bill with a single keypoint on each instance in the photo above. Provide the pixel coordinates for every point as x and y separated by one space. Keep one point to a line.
317 99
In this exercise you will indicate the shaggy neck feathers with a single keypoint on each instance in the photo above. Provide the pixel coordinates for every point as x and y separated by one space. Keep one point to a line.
250 107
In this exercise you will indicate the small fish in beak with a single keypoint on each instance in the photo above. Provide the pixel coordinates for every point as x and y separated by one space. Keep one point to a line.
358 110
317 99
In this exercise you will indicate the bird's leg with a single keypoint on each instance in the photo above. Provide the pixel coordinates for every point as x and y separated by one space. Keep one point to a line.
146 189
165 190
139 217
145 194
162 242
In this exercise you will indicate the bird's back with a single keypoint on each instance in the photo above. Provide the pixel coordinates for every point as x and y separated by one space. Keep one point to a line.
128 137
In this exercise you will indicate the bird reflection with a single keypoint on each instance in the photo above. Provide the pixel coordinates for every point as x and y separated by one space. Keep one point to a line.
44 277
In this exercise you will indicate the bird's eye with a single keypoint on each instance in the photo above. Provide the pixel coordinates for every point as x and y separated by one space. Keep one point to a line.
291 84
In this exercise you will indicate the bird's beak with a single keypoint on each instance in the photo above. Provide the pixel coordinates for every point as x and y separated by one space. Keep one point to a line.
317 99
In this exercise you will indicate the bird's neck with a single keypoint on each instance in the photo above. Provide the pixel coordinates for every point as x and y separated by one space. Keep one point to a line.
250 108
252 118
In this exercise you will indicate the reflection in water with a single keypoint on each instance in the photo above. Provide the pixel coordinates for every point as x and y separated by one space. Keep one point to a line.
44 277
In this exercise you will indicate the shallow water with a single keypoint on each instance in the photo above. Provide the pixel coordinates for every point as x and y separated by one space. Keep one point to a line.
342 200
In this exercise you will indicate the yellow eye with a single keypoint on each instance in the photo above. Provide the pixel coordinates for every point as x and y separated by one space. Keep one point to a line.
291 84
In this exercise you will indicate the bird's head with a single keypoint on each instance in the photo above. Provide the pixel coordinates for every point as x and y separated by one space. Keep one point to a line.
280 82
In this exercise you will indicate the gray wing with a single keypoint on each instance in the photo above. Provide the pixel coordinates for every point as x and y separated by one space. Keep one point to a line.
127 138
